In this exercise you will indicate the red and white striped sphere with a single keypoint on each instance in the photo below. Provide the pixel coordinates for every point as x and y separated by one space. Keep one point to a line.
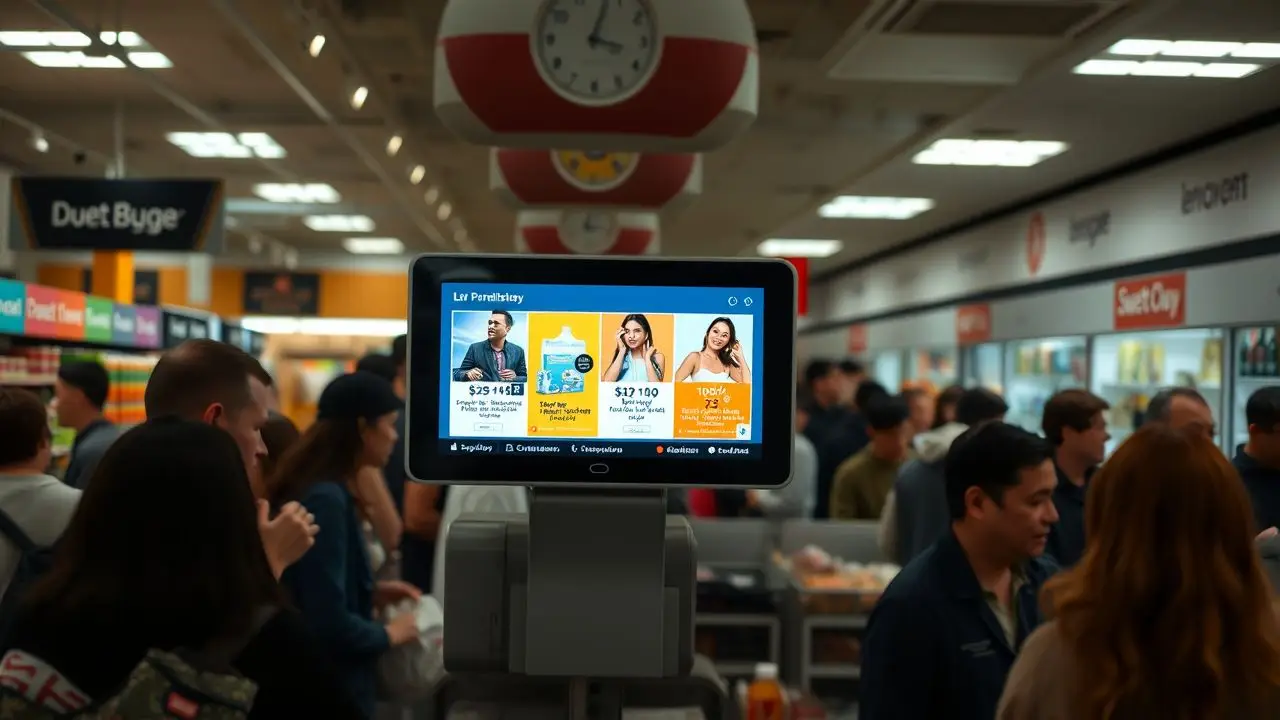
586 232
501 81
596 180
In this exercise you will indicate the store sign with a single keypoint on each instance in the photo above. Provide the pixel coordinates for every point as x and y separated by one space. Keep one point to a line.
124 323
13 298
54 313
270 293
93 214
1089 229
98 319
179 328
1037 243
146 331
857 339
1203 197
1156 301
973 324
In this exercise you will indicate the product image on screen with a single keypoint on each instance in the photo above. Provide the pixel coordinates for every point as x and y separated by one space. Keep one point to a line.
600 370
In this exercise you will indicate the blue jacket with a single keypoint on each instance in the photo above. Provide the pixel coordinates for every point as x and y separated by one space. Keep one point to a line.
933 648
332 586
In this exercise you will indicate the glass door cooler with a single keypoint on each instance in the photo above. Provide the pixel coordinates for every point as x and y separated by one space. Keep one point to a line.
983 366
1128 369
1256 365
1036 369
886 368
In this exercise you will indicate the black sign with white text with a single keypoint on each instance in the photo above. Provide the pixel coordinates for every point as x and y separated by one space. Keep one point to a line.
92 214
178 328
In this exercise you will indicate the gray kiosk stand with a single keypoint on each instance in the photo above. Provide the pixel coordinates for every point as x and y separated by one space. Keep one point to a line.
578 610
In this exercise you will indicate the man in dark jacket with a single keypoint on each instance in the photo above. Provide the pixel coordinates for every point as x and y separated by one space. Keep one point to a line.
80 394
944 634
1075 423
1258 460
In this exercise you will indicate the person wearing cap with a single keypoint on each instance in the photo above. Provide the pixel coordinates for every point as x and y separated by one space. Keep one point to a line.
333 585
79 395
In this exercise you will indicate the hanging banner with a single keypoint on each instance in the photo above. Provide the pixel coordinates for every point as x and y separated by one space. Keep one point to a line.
94 214
283 293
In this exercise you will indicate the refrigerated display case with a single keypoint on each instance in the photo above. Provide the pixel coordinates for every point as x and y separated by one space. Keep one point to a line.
1128 369
982 367
932 369
1036 369
1255 365
886 369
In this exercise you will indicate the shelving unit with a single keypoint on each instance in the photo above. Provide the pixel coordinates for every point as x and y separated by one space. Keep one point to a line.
734 669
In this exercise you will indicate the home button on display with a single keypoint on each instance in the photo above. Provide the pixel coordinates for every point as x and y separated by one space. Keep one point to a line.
599 469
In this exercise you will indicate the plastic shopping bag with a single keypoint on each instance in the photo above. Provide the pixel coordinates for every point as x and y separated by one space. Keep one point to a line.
409 672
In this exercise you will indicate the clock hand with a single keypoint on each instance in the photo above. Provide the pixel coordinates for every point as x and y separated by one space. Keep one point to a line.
594 38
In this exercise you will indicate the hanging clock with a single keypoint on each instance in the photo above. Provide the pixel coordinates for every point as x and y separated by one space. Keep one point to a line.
596 52
588 233
594 171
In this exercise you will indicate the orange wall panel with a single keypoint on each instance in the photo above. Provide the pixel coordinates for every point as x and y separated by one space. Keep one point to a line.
63 277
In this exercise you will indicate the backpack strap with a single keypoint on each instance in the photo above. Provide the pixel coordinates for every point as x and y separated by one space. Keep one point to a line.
10 529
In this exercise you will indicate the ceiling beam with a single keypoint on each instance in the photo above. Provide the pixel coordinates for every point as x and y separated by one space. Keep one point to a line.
153 114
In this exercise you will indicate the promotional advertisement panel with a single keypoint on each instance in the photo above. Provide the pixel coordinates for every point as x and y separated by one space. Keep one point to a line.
12 315
53 314
600 370
94 214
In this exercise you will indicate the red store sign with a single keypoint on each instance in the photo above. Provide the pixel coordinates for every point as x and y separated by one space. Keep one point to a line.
857 339
973 324
1155 301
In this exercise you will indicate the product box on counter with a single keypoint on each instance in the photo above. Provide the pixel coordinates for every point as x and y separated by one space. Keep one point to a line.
829 586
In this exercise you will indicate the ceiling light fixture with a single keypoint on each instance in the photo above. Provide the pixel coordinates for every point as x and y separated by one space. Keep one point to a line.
393 145
227 145
50 49
316 45
373 246
796 247
339 223
417 174
1162 68
431 195
358 96
304 193
849 207
989 153
1196 49
39 142
444 211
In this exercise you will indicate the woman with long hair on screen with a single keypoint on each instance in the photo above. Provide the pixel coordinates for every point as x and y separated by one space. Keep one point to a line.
721 358
635 359
1168 614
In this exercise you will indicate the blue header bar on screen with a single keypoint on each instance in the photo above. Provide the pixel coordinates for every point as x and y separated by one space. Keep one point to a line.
603 298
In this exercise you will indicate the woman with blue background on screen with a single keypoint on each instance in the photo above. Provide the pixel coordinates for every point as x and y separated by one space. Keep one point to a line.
635 360
721 358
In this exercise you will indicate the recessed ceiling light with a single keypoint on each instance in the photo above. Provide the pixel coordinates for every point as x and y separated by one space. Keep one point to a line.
431 195
875 208
40 143
297 193
373 246
393 145
48 49
339 223
227 145
416 174
989 153
796 247
444 211
1166 68
316 45
358 96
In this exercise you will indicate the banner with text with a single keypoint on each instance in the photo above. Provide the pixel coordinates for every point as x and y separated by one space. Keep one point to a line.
54 314
281 293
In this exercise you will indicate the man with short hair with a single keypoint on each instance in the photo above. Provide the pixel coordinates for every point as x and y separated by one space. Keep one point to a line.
828 427
944 634
222 385
922 407
852 374
1075 423
1182 408
862 483
79 394
39 505
1258 459
494 359
915 513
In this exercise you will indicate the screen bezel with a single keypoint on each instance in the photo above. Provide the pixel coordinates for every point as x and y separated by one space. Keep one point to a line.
772 469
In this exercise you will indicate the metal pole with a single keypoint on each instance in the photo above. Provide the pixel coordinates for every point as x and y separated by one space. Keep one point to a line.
119 140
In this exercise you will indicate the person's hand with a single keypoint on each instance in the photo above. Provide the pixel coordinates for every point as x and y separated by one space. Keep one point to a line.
507 374
392 592
475 374
649 350
403 629
287 537
622 344
735 354
1267 534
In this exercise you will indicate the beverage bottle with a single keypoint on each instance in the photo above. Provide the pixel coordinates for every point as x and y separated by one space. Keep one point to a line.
766 699
1269 360
1245 370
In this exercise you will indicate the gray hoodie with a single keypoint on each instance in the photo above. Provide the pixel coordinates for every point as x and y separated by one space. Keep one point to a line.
915 513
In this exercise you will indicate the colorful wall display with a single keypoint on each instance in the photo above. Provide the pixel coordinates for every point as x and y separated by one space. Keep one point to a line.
53 314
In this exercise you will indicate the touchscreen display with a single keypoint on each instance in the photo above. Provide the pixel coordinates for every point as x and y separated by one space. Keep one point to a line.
600 370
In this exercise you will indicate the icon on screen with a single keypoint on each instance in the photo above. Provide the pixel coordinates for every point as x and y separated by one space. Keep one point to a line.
511 448
660 449
747 301
453 447
711 451
732 301
744 431
575 448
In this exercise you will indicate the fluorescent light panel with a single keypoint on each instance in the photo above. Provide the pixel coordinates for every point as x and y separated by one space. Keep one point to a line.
1167 68
339 223
1196 49
303 193
373 246
227 145
875 208
53 49
989 153
797 247
1140 57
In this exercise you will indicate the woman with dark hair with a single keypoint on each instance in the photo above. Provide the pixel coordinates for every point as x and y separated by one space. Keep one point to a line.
278 435
944 407
635 359
333 583
721 358
1168 614
164 553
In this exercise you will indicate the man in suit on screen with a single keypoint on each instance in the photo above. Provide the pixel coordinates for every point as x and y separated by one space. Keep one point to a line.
494 359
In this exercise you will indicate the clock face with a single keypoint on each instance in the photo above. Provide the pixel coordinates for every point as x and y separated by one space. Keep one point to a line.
588 233
596 52
596 171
